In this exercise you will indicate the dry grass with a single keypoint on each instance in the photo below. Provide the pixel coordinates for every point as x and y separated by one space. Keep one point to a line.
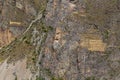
93 44
92 41
15 23
96 45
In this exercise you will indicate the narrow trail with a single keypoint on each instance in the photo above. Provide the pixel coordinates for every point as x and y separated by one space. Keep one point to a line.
39 16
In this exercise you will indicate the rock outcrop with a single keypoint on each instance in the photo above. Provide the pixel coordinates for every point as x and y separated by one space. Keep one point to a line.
15 71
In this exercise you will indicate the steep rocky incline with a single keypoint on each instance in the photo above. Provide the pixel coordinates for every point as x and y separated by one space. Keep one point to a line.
18 59
84 44
15 16
62 40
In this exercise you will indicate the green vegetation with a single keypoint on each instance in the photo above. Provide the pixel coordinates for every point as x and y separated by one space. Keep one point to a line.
40 78
91 78
106 34
54 78
16 78
40 4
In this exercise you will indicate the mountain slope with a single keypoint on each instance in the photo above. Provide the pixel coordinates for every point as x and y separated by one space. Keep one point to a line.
66 40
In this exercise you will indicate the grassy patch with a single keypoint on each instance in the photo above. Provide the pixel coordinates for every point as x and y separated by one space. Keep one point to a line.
90 78
40 78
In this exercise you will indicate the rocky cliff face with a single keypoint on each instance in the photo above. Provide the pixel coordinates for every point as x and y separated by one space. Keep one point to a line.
66 40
